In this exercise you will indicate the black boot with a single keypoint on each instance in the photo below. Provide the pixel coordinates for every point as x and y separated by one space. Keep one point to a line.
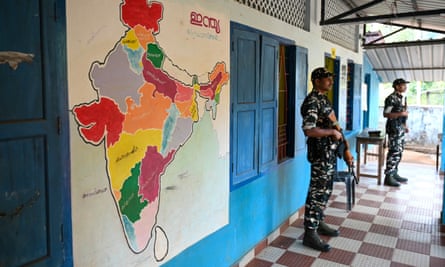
400 178
312 240
390 180
324 229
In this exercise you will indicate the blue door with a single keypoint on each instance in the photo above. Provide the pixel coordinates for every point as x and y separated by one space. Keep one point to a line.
254 85
268 103
245 76
34 161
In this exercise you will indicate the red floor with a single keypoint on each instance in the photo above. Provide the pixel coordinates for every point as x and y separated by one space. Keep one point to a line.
387 226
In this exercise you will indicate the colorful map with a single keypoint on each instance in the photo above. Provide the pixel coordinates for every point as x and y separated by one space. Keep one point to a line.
142 116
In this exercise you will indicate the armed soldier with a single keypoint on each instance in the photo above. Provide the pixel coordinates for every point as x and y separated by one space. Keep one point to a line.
396 114
324 136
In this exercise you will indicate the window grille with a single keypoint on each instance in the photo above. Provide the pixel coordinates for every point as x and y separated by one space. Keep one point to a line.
293 12
345 35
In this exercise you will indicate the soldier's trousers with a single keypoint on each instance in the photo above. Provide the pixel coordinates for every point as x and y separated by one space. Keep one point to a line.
320 189
396 144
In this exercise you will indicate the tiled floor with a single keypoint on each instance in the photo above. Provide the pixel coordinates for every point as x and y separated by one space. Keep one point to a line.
387 226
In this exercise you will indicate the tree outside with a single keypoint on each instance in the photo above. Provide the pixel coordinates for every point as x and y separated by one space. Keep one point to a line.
418 93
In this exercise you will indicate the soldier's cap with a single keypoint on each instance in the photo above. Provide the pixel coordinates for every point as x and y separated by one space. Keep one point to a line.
398 81
320 73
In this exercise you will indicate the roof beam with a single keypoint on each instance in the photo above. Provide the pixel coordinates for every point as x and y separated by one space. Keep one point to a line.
423 28
347 13
383 18
401 69
383 37
406 44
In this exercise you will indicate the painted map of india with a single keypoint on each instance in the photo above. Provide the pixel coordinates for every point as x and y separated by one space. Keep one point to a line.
142 116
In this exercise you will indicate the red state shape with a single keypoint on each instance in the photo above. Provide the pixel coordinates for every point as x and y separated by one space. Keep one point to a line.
100 119
136 12
153 165
163 83
210 89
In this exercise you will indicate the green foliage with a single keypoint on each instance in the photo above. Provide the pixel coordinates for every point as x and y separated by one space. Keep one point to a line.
434 99
431 93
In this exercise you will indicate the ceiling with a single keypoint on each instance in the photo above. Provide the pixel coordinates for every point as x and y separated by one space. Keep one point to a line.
414 60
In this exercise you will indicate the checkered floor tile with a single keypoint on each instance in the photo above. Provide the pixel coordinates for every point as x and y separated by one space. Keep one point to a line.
387 226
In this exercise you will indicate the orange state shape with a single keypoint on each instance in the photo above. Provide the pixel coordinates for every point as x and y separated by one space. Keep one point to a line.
185 100
117 194
220 68
185 108
218 77
150 114
144 36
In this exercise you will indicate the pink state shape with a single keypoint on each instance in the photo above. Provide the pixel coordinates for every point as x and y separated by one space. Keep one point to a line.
153 165
185 93
134 12
98 120
163 83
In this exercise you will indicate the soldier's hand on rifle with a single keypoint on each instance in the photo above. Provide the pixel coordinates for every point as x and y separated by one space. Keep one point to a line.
337 135
349 161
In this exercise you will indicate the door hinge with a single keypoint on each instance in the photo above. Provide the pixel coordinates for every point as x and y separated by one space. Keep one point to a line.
59 125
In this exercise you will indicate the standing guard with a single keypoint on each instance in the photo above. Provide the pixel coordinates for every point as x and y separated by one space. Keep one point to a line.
396 114
322 142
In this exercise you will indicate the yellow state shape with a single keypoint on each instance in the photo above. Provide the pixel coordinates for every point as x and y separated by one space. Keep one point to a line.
129 150
194 111
130 40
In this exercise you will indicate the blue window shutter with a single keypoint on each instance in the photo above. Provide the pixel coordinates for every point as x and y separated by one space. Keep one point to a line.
357 102
301 75
245 56
268 103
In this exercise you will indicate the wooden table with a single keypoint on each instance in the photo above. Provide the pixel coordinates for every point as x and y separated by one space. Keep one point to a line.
363 138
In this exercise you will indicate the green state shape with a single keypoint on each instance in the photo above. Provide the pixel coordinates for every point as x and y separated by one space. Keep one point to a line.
155 55
195 80
130 203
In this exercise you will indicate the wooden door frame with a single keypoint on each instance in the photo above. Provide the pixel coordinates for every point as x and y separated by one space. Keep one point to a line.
60 83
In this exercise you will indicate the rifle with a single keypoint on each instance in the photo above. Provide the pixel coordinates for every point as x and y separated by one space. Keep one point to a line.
343 148
352 172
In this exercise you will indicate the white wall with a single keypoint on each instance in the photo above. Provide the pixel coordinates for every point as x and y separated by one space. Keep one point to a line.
424 123
311 40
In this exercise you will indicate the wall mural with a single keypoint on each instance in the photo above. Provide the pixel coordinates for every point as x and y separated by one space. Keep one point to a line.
144 115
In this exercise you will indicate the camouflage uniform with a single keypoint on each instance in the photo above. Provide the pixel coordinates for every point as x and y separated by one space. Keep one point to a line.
395 129
321 154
